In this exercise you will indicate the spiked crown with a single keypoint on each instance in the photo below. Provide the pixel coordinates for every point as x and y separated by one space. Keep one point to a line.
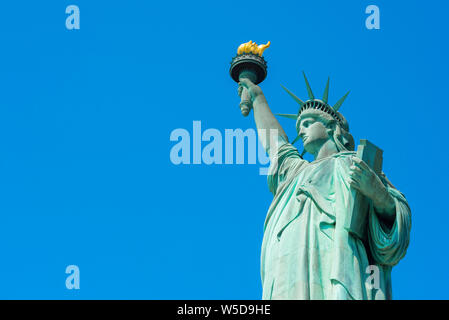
316 104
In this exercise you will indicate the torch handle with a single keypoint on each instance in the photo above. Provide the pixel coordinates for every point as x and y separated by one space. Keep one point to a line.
245 102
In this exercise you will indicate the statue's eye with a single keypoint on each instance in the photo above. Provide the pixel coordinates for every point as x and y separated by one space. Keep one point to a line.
308 123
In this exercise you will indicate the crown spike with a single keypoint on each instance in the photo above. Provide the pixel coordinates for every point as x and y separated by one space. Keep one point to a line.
290 116
296 140
326 91
301 103
309 90
340 102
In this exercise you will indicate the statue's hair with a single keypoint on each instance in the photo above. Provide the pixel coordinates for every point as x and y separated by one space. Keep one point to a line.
341 136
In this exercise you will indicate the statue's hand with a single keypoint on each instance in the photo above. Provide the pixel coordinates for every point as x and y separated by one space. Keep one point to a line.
254 90
364 179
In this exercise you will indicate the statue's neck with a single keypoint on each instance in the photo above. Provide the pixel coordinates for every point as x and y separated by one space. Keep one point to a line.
327 149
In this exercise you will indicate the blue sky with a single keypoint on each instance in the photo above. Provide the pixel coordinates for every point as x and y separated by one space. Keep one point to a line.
86 116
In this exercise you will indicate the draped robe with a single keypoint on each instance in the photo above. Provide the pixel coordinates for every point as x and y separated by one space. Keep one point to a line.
307 253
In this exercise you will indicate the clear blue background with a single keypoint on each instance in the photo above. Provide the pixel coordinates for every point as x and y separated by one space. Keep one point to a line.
86 116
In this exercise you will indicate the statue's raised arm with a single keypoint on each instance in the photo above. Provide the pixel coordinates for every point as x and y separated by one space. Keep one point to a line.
249 68
268 127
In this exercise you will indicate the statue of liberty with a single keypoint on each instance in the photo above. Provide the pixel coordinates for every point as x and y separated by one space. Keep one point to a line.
309 249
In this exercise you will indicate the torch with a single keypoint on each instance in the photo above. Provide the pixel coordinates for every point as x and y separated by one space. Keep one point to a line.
249 64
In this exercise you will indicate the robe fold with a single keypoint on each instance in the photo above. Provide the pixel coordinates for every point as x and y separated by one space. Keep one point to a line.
306 251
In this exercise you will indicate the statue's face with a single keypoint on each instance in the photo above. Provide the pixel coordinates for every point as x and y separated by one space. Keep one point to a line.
313 134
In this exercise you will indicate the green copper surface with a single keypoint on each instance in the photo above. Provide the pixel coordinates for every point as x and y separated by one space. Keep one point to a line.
309 89
336 226
326 92
340 102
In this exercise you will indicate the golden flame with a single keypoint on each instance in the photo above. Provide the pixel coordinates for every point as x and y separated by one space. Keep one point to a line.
252 47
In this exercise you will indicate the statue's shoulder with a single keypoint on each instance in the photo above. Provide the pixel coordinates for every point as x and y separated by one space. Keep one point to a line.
344 158
345 155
